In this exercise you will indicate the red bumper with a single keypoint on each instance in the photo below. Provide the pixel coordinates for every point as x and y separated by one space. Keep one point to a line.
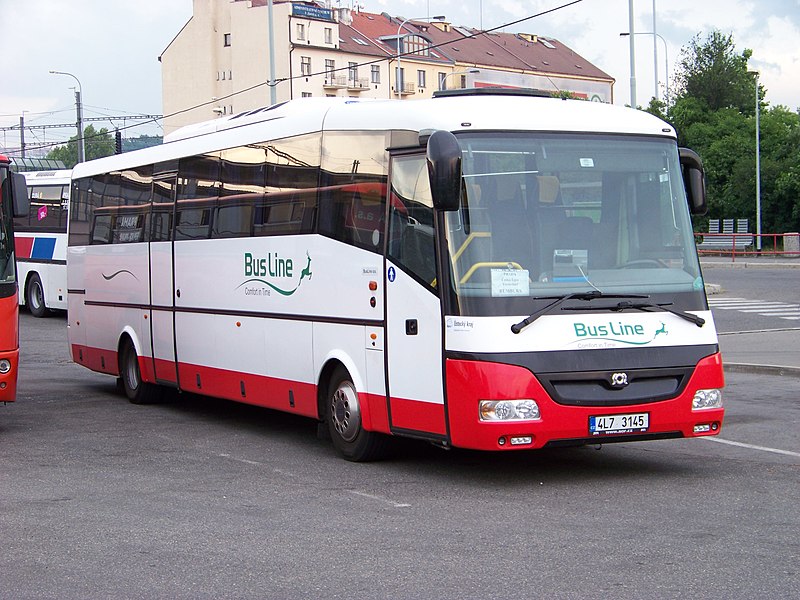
468 382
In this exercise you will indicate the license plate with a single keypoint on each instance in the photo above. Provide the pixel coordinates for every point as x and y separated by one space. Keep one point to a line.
619 424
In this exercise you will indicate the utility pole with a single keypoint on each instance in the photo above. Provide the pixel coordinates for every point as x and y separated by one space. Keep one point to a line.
22 135
79 108
81 141
633 54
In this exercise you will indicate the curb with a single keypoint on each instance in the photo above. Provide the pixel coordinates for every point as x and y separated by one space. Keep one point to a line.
779 370
748 265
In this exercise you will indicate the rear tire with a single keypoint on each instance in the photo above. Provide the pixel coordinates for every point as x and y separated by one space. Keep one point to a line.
34 297
343 415
137 391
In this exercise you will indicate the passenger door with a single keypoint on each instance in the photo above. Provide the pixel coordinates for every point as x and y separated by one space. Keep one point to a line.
414 351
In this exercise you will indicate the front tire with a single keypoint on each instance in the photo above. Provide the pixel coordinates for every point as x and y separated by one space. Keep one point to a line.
34 297
343 415
137 391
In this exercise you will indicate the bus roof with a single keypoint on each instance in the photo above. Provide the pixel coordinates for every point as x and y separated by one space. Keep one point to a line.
454 113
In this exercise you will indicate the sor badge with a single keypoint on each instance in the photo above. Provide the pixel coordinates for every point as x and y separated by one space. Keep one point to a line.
619 380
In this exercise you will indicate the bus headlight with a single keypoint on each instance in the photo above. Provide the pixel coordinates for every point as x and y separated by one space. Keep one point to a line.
509 410
5 366
704 399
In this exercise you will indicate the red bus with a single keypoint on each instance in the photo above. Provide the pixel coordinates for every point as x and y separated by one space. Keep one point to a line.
14 203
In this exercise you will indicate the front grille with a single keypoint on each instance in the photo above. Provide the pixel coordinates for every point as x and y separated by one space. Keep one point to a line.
595 388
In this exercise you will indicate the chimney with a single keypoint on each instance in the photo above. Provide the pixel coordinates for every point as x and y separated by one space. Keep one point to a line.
345 16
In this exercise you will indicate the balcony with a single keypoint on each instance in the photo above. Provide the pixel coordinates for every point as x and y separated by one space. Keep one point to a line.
335 83
357 85
408 89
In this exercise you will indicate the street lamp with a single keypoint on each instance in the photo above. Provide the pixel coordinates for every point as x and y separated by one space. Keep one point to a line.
666 62
442 85
398 77
758 165
79 108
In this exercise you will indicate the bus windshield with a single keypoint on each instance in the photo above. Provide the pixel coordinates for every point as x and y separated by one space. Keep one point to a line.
546 215
7 274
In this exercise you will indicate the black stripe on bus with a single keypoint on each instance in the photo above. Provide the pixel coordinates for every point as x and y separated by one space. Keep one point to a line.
241 313
41 261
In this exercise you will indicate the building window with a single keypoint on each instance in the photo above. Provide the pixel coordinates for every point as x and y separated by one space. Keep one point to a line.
226 39
376 74
421 79
352 71
305 66
414 44
328 35
330 67
305 94
301 31
442 77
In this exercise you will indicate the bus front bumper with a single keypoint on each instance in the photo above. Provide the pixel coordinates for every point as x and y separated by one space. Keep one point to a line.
472 386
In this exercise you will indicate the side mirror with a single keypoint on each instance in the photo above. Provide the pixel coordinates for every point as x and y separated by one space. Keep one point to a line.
19 191
444 170
694 180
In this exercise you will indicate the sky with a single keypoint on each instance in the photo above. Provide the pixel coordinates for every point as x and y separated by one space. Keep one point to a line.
112 47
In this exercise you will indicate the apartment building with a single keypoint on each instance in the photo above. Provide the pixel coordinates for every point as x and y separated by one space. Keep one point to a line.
219 62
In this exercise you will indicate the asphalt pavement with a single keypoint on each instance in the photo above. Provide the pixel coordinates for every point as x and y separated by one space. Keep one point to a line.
772 351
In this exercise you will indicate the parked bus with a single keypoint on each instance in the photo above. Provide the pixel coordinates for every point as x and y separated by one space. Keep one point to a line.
41 243
481 270
13 202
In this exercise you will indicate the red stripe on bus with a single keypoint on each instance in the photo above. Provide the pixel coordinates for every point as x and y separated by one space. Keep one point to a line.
23 246
418 416
259 390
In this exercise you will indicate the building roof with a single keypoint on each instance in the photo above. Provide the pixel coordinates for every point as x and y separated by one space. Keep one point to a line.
509 51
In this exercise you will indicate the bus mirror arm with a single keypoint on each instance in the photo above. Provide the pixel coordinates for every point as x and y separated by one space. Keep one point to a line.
20 200
694 180
444 170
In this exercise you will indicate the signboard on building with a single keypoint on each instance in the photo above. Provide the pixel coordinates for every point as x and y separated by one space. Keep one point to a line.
312 12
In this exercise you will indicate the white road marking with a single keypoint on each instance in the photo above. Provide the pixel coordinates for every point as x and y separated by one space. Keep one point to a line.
379 499
781 310
751 446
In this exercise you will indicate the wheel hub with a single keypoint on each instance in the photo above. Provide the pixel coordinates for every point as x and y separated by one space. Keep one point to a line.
345 412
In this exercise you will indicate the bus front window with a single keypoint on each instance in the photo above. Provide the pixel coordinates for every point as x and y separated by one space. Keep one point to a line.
547 215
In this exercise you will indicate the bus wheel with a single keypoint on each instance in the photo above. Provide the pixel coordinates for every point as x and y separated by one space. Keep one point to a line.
34 297
138 392
343 414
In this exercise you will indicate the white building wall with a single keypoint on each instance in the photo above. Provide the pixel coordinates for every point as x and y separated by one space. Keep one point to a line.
199 70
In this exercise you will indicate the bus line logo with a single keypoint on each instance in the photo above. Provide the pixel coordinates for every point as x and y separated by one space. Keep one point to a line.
610 334
265 274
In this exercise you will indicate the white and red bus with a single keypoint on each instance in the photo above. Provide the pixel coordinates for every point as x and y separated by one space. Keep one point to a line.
13 202
480 270
41 242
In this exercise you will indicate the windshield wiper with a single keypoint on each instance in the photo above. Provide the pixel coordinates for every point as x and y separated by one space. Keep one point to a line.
643 306
558 300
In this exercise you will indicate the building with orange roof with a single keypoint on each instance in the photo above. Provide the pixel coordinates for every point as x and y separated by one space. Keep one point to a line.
219 62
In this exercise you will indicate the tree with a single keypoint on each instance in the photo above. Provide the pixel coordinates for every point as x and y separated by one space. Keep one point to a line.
97 144
714 114
713 73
